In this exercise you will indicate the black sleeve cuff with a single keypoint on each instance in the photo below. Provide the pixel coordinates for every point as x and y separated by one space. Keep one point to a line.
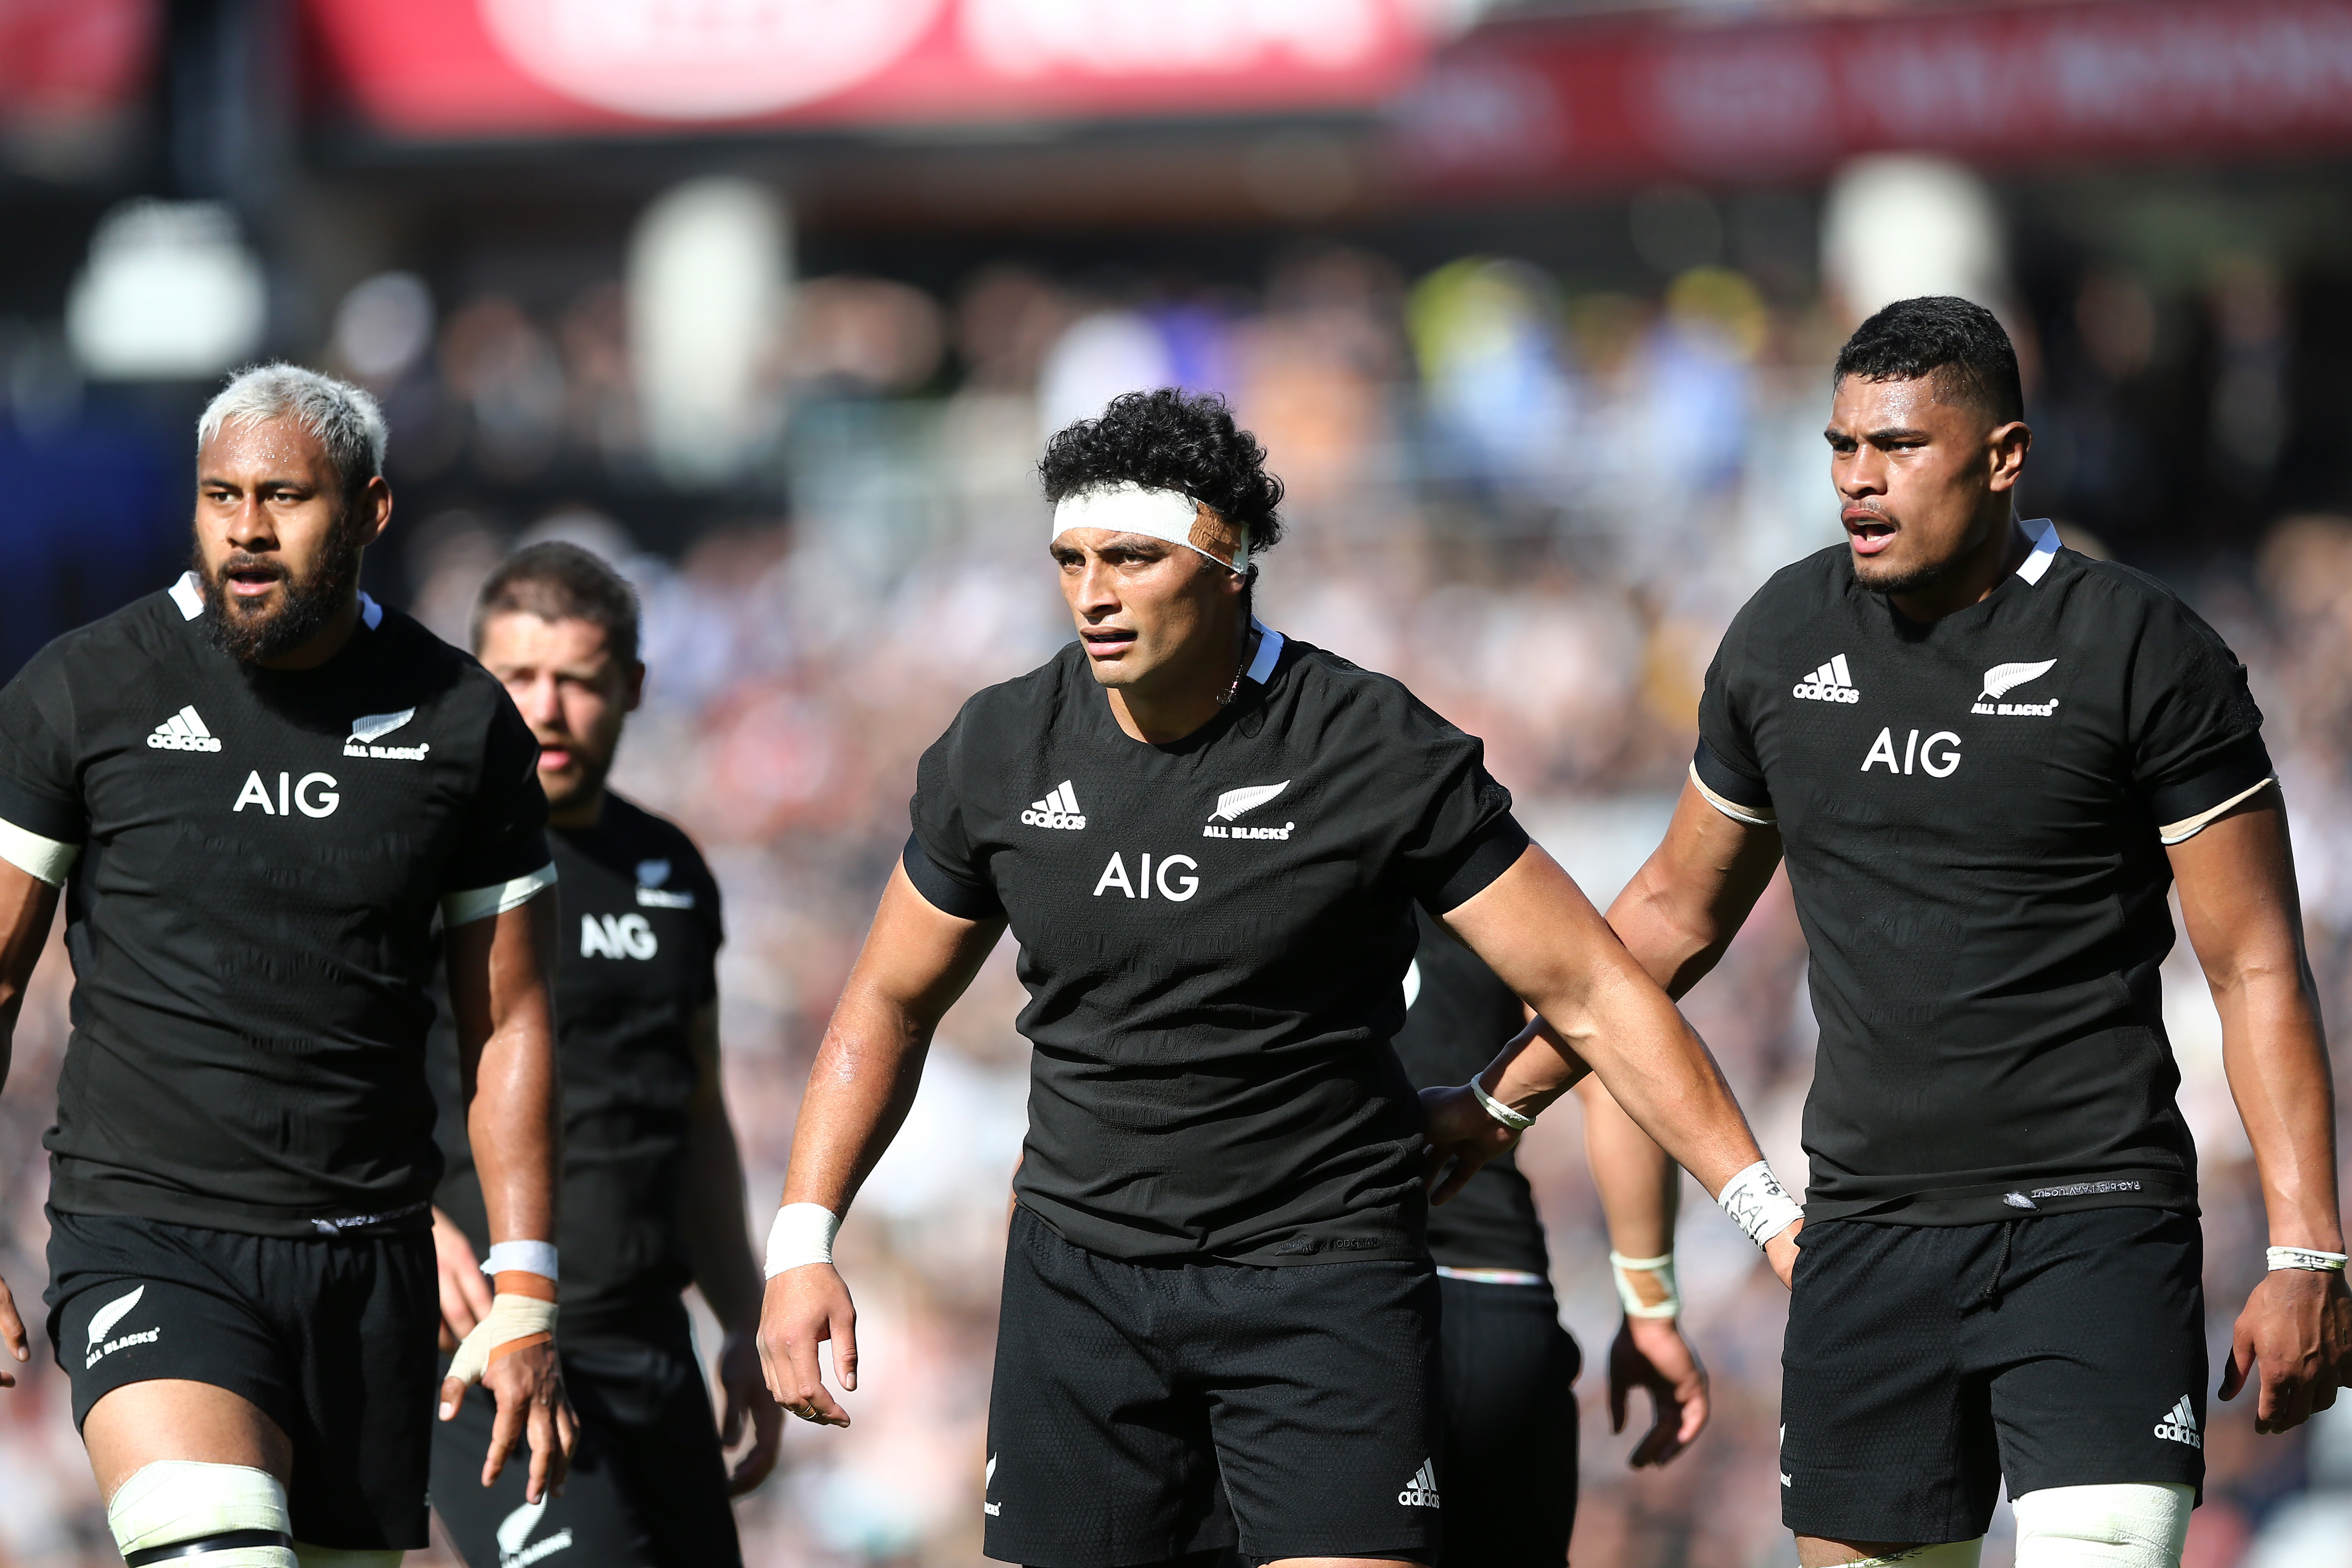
2237 769
947 894
1489 856
1729 782
41 812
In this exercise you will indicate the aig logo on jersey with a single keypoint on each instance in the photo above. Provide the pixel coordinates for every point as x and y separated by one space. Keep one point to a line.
1938 759
1833 682
1059 809
618 936
313 795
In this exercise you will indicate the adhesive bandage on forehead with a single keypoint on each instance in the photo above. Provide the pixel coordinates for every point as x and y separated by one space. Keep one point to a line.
184 1512
1170 515
2124 1525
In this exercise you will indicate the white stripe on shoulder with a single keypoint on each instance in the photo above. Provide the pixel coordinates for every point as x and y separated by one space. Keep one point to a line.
1269 649
1753 815
462 908
2045 551
189 594
2189 827
43 859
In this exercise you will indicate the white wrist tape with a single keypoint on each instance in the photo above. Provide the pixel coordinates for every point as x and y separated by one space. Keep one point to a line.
510 1317
530 1257
2306 1258
1658 1297
1758 1203
802 1233
1499 1110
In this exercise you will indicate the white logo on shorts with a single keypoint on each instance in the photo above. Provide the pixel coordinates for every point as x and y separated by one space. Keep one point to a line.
2180 1424
989 1508
102 1321
1422 1490
516 1528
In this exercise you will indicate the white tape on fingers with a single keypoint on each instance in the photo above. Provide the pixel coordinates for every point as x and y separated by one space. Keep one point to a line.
802 1233
2127 1525
510 1317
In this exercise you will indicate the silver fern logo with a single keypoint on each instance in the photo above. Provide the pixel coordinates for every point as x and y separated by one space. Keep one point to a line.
1235 802
2003 679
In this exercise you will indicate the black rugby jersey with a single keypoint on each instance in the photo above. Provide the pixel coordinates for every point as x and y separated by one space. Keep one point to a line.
251 914
636 957
1213 935
1974 813
1457 1014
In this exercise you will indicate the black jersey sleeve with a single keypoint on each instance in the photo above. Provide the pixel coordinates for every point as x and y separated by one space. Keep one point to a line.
1726 761
505 832
2195 731
40 788
941 859
1465 836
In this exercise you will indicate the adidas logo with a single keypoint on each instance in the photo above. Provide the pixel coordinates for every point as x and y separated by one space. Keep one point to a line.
184 731
1422 1490
1831 683
2180 1426
1059 809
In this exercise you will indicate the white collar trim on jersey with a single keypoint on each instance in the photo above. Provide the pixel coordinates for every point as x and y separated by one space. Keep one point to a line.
189 594
2045 549
1269 649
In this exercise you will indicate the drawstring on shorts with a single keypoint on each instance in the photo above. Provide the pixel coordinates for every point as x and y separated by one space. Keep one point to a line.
2001 1265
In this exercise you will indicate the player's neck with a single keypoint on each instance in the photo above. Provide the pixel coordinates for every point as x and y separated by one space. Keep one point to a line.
328 642
1986 566
1187 694
580 813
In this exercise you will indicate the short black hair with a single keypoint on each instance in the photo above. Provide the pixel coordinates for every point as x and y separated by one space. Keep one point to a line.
1174 440
561 581
1957 342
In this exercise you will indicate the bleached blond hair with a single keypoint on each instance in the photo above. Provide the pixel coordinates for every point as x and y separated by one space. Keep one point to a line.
345 419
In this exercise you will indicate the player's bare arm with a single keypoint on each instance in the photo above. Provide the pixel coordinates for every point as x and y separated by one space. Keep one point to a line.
724 1268
26 907
506 1040
2238 898
917 961
1535 929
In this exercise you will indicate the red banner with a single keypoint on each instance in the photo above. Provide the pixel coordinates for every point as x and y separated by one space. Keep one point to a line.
66 61
1536 105
491 69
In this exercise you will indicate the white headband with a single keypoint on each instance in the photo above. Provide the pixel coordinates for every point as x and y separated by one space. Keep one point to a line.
1133 509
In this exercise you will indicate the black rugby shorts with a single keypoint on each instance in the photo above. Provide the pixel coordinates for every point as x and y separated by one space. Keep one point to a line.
1509 1460
649 1484
332 1338
1925 1363
1124 1390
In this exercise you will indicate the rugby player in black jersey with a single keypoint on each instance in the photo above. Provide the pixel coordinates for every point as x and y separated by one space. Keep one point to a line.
1208 840
653 1187
257 791
1509 1367
1986 758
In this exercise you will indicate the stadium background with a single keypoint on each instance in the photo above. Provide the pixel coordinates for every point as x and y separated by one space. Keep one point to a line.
772 302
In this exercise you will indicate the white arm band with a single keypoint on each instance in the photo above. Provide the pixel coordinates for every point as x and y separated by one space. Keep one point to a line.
802 1233
510 1317
1758 1203
43 859
2306 1258
1662 1299
1497 1109
463 909
530 1257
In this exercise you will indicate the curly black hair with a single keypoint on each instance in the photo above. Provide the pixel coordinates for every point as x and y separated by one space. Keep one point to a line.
1959 343
1174 440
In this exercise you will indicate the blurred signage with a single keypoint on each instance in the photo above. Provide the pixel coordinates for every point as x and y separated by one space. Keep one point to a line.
476 68
70 62
1534 104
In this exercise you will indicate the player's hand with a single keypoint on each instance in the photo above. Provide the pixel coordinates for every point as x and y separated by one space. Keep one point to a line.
745 1401
804 1306
2297 1326
1460 1138
1651 1353
1780 1252
528 1385
12 1334
465 1289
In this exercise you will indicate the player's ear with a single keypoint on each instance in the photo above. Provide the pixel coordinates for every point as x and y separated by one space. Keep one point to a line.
2006 446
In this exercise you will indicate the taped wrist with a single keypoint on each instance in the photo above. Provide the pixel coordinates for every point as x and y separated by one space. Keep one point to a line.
1758 1203
1503 1113
802 1234
1645 1285
2309 1258
522 1312
184 1510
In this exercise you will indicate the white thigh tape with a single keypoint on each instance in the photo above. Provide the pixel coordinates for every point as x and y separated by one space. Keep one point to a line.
1660 1298
802 1233
173 1502
1758 1203
2123 1525
510 1317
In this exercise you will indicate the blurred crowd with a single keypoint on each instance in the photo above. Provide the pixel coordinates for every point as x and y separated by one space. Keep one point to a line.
1535 506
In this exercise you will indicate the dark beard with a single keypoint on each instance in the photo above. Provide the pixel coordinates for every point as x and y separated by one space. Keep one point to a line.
1910 582
305 604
